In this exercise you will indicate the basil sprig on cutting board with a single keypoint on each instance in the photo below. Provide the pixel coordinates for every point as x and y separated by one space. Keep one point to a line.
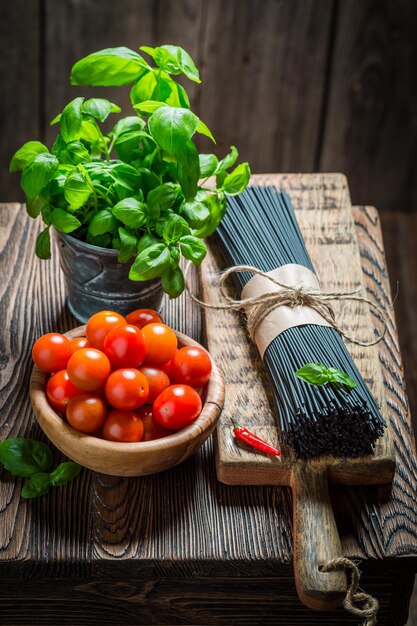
32 459
319 374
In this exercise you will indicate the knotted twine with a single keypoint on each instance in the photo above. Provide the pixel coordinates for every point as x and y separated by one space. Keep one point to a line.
370 606
258 307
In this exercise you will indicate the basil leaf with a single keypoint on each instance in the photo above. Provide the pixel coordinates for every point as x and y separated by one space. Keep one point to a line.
148 106
70 122
64 473
174 60
146 241
229 160
144 88
172 127
193 249
43 245
73 152
188 169
110 67
35 205
128 245
217 207
203 129
150 263
102 222
237 180
76 189
208 164
127 125
25 457
338 377
314 373
38 173
101 241
196 213
173 283
130 212
25 155
63 221
100 108
162 198
126 175
37 485
175 228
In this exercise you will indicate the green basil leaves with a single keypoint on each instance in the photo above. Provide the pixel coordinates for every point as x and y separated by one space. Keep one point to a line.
320 374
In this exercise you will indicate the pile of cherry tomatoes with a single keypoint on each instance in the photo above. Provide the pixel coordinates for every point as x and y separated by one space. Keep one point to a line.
126 380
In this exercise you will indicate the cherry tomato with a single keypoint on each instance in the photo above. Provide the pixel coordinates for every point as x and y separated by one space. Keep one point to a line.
161 343
157 379
177 407
123 426
51 352
99 325
166 367
152 428
60 390
141 317
191 365
125 346
77 343
86 412
126 389
88 369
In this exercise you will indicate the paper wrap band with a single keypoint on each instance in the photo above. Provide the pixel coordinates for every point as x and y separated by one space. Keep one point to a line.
283 317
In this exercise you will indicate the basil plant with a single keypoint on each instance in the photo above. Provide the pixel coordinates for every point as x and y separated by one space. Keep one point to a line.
141 188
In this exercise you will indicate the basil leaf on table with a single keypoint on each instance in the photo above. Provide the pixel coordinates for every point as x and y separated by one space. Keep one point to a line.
25 154
24 457
319 374
38 173
150 263
37 485
110 67
70 120
64 221
64 473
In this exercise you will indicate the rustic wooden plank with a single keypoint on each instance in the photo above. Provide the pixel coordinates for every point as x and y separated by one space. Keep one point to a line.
322 205
20 69
371 123
264 85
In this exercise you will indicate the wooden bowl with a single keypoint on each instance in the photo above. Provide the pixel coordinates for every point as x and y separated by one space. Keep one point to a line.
128 459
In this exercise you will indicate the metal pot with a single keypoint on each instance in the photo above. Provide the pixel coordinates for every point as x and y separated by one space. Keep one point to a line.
95 280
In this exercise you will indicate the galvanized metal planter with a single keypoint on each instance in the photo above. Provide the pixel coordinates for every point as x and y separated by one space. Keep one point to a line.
96 281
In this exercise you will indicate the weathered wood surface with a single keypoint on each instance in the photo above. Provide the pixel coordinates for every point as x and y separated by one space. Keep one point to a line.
305 85
322 205
177 548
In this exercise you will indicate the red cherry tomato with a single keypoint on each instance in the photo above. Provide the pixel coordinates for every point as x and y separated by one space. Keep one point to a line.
88 369
141 317
51 352
60 390
166 367
123 426
99 325
126 389
177 407
191 365
86 412
152 428
125 346
161 343
157 379
77 343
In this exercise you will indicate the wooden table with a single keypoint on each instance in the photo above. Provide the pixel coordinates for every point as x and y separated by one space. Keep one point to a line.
175 548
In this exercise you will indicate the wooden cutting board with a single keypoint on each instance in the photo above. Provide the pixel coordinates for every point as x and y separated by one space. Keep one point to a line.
323 208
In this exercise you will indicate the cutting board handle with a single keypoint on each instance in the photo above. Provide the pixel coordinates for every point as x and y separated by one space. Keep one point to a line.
316 539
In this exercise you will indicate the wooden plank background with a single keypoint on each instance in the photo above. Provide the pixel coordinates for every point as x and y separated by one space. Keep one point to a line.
297 85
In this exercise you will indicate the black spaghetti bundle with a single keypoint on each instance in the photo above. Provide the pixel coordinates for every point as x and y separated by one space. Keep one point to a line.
260 229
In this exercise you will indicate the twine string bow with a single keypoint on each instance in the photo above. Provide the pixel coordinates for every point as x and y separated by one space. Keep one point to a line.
370 605
258 307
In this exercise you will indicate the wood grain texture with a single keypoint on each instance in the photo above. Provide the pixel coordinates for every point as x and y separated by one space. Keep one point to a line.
322 206
180 546
121 459
370 121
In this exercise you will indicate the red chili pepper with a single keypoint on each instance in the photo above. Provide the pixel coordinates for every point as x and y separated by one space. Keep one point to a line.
252 440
